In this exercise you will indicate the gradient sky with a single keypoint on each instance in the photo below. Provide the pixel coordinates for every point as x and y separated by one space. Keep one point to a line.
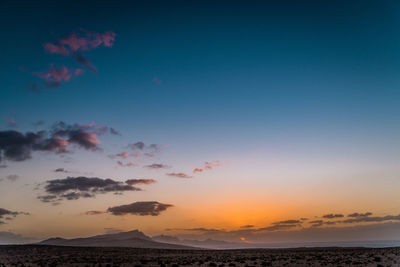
298 102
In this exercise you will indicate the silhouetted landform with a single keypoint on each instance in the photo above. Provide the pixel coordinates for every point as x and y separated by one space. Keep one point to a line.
138 239
35 255
133 238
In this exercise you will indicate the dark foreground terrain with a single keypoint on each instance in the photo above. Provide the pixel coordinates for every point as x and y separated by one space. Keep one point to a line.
34 255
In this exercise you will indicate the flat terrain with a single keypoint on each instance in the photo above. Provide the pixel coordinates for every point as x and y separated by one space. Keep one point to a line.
34 255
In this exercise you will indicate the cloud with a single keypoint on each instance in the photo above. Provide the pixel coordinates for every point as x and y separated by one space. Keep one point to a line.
114 132
152 148
155 166
197 229
74 43
140 150
288 222
356 214
17 146
178 175
247 226
128 164
72 188
9 215
55 76
316 223
332 216
143 208
277 227
126 155
368 218
210 166
84 61
61 170
143 181
94 212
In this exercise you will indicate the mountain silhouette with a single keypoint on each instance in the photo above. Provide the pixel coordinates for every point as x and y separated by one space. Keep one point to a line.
133 238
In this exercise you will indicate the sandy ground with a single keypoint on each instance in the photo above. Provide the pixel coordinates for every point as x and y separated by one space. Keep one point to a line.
78 256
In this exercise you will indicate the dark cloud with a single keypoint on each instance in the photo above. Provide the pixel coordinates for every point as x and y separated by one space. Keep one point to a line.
114 132
368 218
94 212
156 166
49 198
356 214
72 188
142 146
140 181
84 61
9 215
277 227
247 226
137 146
316 223
178 175
17 146
61 170
288 222
332 216
143 208
126 164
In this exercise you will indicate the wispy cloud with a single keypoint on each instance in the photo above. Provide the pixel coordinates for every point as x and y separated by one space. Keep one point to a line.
156 166
61 170
209 166
55 76
76 43
9 215
178 175
80 42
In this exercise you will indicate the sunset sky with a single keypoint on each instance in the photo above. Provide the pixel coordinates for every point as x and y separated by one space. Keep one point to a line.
237 120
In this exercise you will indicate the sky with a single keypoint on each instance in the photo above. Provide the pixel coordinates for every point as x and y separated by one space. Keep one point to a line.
259 121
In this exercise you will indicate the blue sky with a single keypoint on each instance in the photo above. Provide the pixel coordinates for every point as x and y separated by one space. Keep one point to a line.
288 93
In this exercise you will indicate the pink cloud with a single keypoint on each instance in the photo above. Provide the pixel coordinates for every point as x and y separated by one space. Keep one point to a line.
56 49
74 43
197 170
210 166
57 75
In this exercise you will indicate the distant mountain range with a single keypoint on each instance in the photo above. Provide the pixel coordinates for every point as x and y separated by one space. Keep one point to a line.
133 238
137 239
